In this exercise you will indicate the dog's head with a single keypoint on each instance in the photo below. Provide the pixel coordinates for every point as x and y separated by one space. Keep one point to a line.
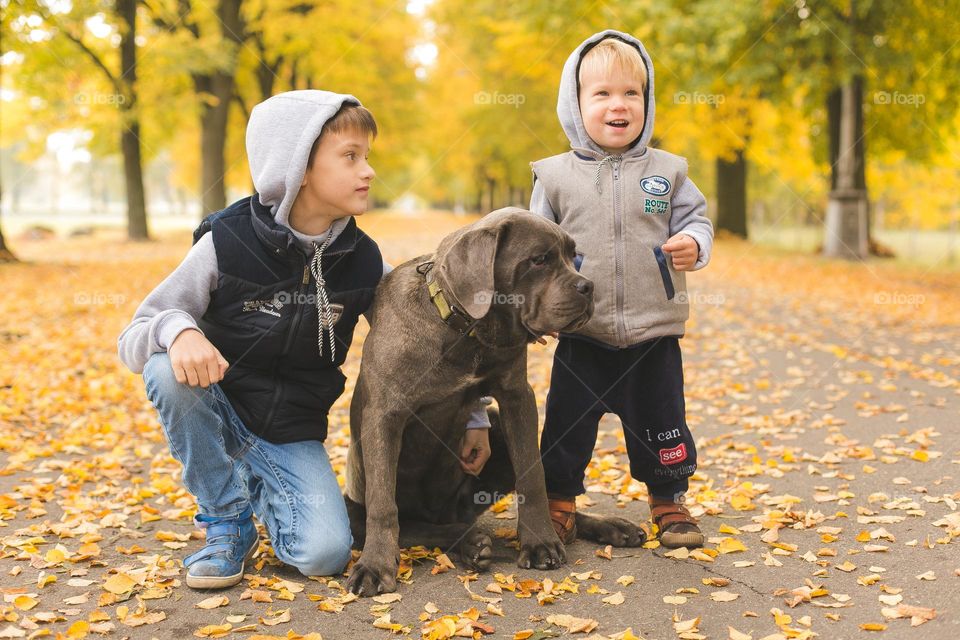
518 266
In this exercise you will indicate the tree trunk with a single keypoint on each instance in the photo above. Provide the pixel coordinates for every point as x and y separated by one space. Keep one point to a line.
215 91
516 197
265 78
130 119
860 156
732 195
5 254
294 75
266 73
492 191
834 102
846 224
133 175
478 204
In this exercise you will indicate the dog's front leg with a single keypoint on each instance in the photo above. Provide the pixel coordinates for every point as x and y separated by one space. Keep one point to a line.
376 570
540 546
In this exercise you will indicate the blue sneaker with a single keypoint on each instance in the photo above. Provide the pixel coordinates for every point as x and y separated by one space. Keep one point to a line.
230 543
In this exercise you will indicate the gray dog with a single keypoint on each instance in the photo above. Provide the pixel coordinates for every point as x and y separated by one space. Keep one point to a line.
446 330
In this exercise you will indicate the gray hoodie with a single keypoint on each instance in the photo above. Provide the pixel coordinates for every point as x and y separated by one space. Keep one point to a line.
620 210
280 134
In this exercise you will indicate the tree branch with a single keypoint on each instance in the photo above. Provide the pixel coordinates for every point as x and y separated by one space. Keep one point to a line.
157 19
184 12
164 22
114 80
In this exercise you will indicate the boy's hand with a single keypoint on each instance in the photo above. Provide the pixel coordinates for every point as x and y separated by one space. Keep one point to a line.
195 360
552 334
683 250
476 450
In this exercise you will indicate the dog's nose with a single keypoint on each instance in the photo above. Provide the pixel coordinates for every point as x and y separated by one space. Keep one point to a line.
585 286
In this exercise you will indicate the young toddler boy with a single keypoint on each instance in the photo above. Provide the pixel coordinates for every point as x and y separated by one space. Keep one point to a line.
639 223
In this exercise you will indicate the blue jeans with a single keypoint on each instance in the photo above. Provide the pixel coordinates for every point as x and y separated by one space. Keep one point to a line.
292 487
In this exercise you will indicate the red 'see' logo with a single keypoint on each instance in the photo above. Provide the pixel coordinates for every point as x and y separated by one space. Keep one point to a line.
674 455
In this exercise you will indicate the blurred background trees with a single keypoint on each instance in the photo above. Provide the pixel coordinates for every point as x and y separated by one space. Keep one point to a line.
137 108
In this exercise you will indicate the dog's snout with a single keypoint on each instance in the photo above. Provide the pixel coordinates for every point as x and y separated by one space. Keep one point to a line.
585 287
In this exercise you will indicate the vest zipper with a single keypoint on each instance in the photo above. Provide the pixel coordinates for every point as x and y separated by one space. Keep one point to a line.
618 250
291 330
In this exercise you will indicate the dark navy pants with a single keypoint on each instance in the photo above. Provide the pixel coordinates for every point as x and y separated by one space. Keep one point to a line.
643 386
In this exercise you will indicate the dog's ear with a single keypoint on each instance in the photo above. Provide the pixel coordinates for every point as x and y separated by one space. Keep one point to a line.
468 269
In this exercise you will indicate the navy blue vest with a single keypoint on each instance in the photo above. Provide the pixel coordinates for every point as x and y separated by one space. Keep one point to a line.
263 318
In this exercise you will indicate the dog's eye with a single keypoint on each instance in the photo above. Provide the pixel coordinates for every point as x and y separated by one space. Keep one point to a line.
538 260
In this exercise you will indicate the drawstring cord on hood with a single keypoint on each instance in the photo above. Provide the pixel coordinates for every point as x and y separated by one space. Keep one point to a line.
596 178
607 159
323 302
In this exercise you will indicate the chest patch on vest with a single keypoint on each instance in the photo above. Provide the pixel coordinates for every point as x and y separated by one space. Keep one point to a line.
269 307
655 185
655 206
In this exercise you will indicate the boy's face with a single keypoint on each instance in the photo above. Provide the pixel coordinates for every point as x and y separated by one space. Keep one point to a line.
611 105
337 184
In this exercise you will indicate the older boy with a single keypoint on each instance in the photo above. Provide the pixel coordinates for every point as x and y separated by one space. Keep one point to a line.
259 316
639 223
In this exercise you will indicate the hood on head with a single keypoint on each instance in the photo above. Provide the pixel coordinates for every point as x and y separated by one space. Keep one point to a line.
568 102
280 134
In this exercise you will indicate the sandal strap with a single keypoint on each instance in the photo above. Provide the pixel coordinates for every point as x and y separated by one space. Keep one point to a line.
563 513
667 514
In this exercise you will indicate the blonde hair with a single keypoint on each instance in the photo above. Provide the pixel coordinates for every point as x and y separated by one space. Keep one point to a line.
350 117
613 53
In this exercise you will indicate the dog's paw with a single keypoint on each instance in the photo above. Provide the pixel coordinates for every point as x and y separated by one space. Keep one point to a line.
614 531
370 579
542 555
476 551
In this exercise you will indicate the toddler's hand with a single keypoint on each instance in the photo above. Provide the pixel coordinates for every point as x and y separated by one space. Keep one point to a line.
683 250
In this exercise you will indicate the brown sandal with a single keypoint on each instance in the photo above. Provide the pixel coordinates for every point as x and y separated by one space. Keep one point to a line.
677 527
563 514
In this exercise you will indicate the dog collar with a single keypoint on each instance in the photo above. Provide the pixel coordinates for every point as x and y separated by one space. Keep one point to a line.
452 315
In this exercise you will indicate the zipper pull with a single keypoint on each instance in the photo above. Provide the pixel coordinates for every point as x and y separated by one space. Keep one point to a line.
306 274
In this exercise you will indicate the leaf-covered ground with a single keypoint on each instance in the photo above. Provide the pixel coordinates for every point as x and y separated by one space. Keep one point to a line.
824 398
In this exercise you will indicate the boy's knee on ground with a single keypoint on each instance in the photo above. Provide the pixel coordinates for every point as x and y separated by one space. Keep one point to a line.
320 554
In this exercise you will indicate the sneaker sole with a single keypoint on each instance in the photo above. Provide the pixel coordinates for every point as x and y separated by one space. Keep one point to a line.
222 582
677 540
